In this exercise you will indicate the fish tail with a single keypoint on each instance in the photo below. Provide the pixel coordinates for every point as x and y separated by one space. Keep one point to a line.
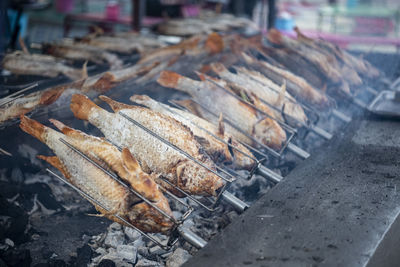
33 128
169 79
81 106
62 127
55 162
116 106
50 96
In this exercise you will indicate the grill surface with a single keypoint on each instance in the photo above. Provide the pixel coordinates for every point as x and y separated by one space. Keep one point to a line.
334 209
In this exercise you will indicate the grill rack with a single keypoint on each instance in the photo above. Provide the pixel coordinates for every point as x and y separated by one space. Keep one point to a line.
185 233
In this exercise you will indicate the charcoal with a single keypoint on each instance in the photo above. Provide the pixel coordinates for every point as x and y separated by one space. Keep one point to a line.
127 252
13 223
147 263
106 263
177 258
16 257
84 255
52 263
113 239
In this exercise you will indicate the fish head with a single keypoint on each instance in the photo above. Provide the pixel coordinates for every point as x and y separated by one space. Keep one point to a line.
197 180
269 133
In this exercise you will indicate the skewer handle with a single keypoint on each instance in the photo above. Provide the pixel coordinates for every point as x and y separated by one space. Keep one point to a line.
321 132
238 204
191 237
270 175
298 151
341 116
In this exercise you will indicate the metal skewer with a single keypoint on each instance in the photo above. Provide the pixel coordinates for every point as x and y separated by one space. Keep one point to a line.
18 94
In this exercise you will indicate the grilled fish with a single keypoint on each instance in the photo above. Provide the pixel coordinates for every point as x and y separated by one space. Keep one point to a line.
218 151
296 85
25 104
264 130
117 199
154 155
361 66
254 83
36 64
78 51
326 65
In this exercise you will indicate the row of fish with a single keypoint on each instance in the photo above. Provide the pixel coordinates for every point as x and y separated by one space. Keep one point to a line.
143 159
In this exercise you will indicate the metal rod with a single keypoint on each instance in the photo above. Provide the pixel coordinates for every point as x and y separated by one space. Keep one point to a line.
269 174
371 90
191 237
178 149
341 116
321 132
238 204
15 95
5 152
359 103
190 197
298 151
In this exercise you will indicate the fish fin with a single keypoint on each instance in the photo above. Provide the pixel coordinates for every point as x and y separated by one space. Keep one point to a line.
33 128
282 93
56 163
218 67
189 105
274 36
214 43
81 106
202 141
68 131
104 83
301 36
50 96
116 106
129 161
169 79
84 70
221 126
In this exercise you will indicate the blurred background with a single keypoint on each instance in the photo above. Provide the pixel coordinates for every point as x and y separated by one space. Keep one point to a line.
354 24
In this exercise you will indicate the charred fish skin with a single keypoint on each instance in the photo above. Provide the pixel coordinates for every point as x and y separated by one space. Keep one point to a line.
154 155
265 130
117 199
